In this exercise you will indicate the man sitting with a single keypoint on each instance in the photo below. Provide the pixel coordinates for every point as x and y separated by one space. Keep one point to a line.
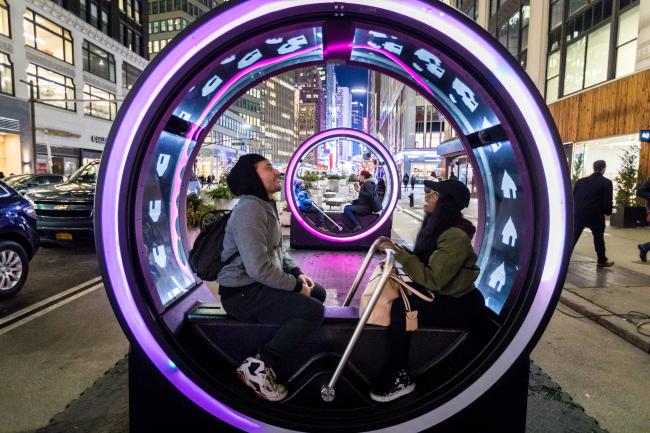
367 202
263 284
306 205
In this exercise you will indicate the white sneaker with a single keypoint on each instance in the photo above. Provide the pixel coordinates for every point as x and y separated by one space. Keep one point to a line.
256 375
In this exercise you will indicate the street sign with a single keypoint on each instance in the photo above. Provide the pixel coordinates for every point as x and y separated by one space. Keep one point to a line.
644 135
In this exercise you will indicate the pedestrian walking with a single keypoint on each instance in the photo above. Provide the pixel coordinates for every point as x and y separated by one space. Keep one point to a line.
592 200
405 180
644 192
262 284
413 178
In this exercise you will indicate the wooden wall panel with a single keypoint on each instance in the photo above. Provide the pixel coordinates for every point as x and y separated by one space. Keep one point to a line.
615 108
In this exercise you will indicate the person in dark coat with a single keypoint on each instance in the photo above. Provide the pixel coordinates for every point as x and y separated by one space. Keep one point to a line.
365 204
405 181
592 200
412 182
644 192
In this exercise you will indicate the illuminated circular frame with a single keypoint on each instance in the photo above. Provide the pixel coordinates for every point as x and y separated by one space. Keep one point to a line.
111 228
367 139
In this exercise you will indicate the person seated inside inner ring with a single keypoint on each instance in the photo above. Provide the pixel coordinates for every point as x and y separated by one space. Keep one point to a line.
367 203
307 206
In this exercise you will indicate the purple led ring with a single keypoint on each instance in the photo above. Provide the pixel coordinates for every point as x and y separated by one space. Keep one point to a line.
243 13
324 136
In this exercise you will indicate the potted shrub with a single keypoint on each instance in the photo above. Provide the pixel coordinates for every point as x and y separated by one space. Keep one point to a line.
333 182
196 209
626 212
223 198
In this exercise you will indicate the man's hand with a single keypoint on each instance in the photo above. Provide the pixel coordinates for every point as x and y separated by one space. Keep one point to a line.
306 281
306 291
356 187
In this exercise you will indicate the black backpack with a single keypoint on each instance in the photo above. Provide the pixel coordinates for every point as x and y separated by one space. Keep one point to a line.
205 257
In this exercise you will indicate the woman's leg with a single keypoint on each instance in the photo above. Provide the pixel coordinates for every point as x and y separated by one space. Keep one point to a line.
399 341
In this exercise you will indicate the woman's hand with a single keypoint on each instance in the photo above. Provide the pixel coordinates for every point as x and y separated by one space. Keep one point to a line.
306 281
387 244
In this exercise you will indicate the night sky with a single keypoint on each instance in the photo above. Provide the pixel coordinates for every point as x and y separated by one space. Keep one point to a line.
350 76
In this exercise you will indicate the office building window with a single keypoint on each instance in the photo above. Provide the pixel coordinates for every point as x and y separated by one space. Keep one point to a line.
576 5
52 88
122 5
557 11
98 62
94 14
597 56
628 30
129 75
575 66
47 37
552 77
99 103
104 22
468 7
6 74
5 27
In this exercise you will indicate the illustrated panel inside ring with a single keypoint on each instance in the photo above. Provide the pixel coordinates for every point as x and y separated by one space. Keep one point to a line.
429 71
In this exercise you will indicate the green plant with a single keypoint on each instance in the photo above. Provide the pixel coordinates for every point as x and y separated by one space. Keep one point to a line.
627 179
353 178
578 166
310 176
220 192
196 209
333 177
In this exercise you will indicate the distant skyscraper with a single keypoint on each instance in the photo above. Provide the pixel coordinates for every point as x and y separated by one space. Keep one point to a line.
344 120
279 119
311 106
357 123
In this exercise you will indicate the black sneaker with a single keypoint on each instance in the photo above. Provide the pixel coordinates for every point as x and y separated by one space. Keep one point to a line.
643 254
399 385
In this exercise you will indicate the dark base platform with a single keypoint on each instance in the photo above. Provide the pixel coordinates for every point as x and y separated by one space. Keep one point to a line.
302 239
156 406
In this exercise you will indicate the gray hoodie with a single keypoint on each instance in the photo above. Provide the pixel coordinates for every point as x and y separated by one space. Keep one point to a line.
254 230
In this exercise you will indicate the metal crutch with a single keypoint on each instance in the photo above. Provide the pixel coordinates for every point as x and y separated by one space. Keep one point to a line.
328 392
328 217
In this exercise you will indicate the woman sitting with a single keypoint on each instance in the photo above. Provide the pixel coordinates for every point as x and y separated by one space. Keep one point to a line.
443 263
365 204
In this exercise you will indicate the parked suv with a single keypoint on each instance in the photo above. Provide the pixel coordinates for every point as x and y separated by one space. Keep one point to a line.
18 239
25 182
64 212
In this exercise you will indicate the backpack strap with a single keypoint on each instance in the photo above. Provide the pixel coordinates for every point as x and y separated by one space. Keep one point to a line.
230 259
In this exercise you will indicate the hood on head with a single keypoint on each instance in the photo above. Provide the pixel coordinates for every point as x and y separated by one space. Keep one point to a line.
243 178
296 183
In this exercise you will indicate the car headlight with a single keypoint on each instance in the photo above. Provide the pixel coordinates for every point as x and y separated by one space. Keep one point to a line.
29 211
31 206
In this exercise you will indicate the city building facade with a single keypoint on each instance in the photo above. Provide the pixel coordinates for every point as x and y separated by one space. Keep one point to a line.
590 60
75 71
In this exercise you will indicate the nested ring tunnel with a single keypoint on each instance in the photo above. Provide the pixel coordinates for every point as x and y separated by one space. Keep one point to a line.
523 239
385 160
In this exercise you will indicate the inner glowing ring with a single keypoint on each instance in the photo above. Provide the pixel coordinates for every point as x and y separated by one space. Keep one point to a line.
391 169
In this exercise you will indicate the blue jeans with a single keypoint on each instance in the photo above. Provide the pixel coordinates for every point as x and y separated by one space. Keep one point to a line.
351 212
645 247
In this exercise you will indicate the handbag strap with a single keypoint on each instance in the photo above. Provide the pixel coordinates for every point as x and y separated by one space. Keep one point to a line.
413 290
